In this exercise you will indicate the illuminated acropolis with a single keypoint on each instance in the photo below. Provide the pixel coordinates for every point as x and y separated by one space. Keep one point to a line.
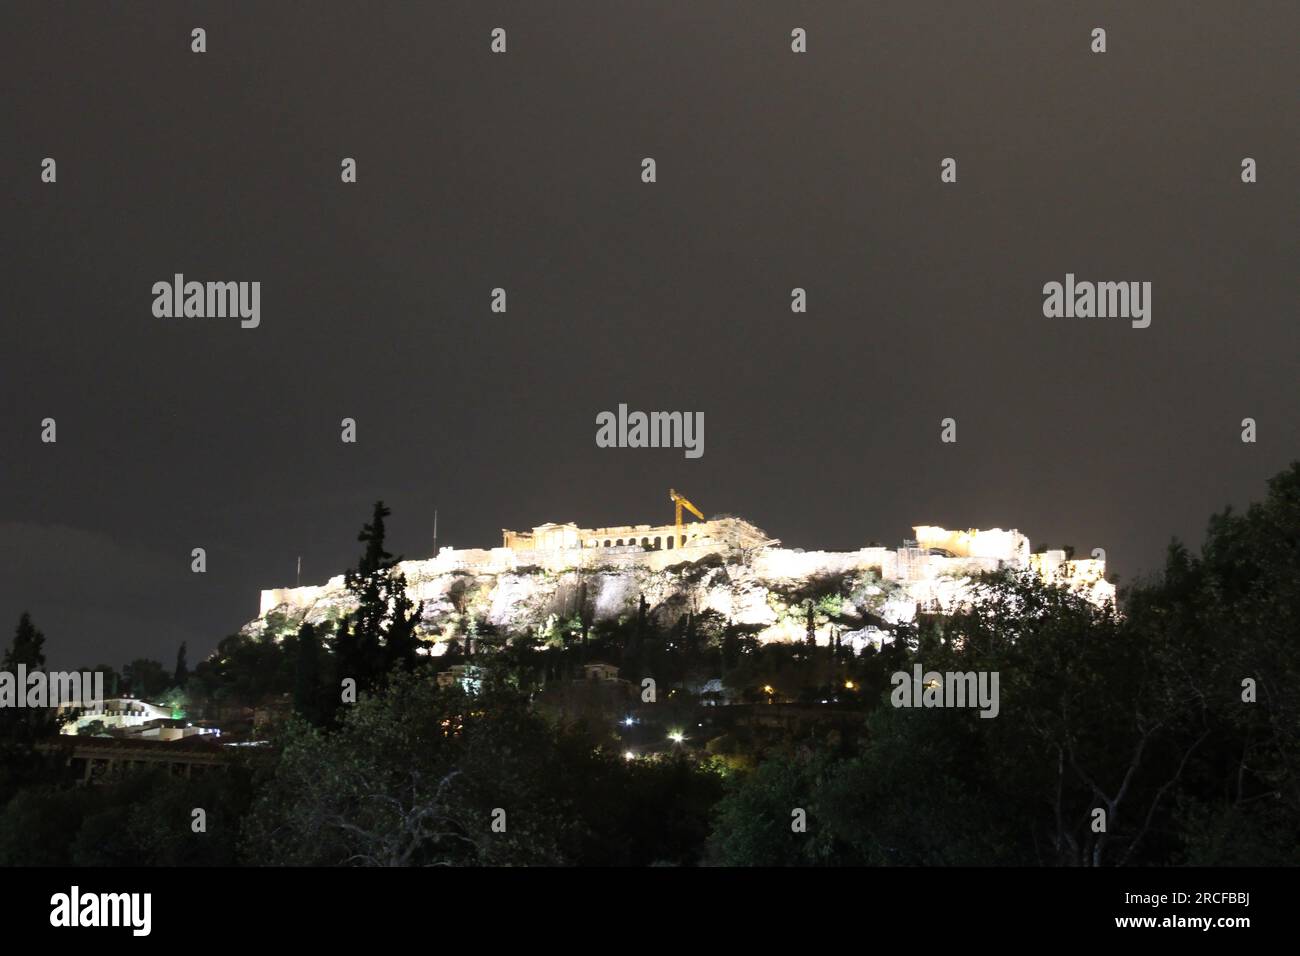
536 575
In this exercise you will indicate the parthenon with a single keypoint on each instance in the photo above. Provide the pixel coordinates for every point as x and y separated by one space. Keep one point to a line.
721 532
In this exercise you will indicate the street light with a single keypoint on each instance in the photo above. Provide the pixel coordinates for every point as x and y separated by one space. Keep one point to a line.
676 736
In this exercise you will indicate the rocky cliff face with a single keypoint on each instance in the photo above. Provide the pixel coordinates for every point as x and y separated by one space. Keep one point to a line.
855 596
770 598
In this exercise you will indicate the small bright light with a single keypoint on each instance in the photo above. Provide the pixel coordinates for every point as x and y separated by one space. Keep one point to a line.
628 755
676 736
767 688
628 721
848 685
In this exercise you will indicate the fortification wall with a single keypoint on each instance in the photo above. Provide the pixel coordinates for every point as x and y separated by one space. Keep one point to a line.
297 598
786 564
1010 546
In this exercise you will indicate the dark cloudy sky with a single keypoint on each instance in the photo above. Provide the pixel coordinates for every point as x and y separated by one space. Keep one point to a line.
775 170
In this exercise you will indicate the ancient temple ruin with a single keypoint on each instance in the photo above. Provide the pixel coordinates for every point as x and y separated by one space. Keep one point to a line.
934 569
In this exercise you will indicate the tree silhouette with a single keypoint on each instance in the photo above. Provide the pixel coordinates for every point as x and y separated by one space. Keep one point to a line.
382 628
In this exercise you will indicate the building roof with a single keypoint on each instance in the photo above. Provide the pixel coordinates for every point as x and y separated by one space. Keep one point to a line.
121 746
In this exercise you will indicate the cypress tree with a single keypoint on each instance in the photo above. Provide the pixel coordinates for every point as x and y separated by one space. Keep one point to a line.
19 726
383 625
306 676
182 669
28 646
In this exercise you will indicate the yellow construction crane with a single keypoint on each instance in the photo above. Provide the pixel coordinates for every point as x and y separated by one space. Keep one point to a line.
681 502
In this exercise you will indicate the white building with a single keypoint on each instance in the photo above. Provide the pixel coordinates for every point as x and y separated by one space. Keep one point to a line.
115 713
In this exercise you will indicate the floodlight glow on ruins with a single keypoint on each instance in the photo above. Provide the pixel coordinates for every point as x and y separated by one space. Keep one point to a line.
737 571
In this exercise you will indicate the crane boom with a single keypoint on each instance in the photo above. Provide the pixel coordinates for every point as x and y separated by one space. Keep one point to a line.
680 502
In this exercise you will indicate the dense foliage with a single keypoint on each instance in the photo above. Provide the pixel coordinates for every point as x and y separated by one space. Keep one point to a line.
1175 723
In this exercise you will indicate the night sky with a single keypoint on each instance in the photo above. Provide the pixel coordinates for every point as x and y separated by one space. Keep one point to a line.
522 170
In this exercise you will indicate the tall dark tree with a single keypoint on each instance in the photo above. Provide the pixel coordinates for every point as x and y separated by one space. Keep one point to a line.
586 614
307 696
730 649
383 624
28 647
346 665
634 648
20 726
182 668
